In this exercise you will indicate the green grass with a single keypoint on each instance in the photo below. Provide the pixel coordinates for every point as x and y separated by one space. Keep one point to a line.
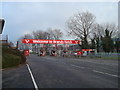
32 52
109 58
105 58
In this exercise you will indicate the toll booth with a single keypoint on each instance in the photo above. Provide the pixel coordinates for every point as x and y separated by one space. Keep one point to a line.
88 52
41 53
53 53
56 46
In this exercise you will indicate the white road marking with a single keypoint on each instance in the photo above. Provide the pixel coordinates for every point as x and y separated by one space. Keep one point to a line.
105 73
91 68
108 69
96 71
63 63
77 66
35 85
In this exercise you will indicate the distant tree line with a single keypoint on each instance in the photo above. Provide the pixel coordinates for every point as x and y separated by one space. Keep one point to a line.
42 34
102 37
53 34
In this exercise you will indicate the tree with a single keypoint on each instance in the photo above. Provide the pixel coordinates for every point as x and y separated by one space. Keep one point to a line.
97 33
48 34
27 36
117 45
117 42
111 28
104 33
107 41
24 45
80 25
55 33
110 32
39 34
93 43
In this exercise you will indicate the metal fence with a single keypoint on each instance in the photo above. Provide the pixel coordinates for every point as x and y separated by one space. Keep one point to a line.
106 55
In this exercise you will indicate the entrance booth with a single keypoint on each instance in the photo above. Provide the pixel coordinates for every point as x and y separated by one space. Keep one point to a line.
54 51
41 53
88 52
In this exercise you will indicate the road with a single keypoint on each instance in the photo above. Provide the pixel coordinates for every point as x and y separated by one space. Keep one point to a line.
61 72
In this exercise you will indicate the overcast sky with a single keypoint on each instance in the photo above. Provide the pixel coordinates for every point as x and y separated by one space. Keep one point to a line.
25 17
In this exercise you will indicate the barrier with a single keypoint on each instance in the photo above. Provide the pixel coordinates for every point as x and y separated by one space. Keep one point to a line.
41 53
26 52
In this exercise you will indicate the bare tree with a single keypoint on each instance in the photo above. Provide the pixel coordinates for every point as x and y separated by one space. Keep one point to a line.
112 28
80 25
103 34
99 30
55 33
26 36
23 45
38 34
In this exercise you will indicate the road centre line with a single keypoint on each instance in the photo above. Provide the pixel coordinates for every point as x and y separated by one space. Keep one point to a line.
76 66
33 80
88 62
83 67
106 73
97 71
93 70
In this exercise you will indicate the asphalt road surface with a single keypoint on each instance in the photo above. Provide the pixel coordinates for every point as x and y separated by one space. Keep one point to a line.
61 72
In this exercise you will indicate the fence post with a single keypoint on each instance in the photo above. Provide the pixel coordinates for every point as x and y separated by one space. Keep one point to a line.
7 39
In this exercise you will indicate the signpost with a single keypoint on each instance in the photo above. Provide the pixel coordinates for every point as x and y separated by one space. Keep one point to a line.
2 21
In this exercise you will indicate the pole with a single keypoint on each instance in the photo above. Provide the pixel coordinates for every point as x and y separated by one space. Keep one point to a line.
17 45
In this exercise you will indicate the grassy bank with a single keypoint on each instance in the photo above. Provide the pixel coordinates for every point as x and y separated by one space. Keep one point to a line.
11 57
104 57
9 60
109 58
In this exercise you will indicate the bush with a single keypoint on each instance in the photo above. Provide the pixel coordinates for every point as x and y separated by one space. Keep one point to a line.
9 60
11 57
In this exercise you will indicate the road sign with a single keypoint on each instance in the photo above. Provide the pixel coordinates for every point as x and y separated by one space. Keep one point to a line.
86 49
2 21
40 41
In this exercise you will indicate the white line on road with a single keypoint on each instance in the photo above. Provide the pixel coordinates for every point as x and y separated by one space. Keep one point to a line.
96 71
105 73
63 63
77 66
35 85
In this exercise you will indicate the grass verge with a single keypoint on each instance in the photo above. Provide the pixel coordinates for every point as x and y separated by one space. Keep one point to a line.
11 57
9 60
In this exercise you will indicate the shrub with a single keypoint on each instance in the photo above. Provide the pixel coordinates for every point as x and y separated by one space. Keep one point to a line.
11 57
9 60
